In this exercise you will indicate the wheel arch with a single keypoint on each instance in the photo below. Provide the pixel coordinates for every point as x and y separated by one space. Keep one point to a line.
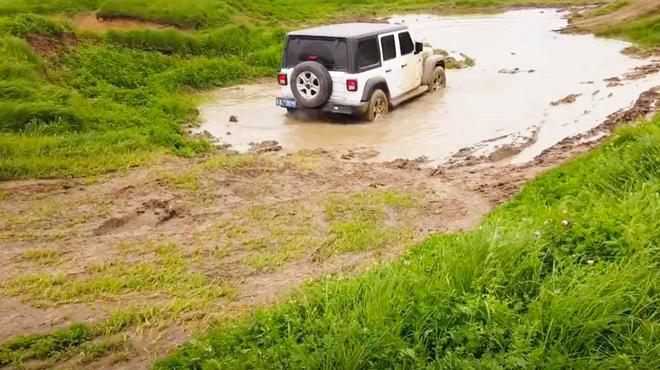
429 66
373 84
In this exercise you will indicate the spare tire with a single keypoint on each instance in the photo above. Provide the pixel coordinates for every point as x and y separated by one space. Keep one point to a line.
311 84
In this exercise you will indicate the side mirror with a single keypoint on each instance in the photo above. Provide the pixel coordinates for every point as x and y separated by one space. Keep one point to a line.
419 47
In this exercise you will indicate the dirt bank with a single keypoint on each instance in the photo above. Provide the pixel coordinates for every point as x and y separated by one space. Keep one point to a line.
588 20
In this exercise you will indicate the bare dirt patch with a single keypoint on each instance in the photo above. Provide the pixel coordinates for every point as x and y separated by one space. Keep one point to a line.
45 45
259 224
90 21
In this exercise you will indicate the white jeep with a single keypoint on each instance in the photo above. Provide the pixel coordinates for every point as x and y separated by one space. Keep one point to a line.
356 68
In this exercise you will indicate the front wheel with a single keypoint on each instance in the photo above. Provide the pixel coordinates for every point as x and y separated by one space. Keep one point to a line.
378 106
439 80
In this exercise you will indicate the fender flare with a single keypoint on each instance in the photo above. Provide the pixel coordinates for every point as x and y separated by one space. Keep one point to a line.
371 84
429 66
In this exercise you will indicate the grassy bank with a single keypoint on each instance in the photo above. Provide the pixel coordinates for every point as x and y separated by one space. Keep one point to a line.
637 21
566 275
644 31
77 103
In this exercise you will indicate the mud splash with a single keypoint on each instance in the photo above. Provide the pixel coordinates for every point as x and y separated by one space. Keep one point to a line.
481 108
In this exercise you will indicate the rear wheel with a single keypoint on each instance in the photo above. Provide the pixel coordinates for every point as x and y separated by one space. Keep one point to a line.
378 106
439 80
311 84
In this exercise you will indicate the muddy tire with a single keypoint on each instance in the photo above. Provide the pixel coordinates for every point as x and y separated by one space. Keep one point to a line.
311 84
379 106
439 80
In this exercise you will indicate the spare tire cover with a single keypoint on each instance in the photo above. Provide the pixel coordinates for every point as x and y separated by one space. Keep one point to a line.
311 84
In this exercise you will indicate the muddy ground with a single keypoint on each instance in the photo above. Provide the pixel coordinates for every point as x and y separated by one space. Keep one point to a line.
243 231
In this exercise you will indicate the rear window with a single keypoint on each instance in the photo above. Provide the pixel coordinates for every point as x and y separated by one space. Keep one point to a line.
389 49
332 53
368 54
406 43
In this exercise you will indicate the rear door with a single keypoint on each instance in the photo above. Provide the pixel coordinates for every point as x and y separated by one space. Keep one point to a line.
390 63
410 62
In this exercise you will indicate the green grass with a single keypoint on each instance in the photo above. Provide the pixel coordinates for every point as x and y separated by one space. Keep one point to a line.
359 222
609 8
644 31
88 342
566 275
168 274
40 347
44 257
271 235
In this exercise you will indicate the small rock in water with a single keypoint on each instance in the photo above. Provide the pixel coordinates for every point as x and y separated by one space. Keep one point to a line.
266 146
566 100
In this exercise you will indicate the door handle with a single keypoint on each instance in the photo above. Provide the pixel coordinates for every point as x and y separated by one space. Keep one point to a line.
404 65
388 70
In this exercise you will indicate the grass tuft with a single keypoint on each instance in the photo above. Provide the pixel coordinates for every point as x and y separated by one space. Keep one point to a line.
40 256
167 274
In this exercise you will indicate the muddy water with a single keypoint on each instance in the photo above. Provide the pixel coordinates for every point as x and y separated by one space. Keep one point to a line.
522 66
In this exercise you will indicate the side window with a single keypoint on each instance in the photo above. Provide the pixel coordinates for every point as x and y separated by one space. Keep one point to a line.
388 47
368 54
406 42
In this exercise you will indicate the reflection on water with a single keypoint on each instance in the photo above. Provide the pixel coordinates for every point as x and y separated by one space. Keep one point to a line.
479 103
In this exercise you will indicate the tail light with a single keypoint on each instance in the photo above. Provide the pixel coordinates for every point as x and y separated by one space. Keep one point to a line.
351 85
282 79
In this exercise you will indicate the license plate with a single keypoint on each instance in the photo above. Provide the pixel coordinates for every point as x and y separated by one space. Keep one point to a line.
286 103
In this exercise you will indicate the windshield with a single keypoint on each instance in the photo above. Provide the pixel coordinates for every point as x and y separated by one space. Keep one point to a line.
332 53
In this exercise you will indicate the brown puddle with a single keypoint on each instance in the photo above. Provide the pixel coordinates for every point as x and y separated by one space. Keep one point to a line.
500 108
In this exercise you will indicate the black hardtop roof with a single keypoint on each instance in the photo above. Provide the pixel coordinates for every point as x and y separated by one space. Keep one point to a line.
349 30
